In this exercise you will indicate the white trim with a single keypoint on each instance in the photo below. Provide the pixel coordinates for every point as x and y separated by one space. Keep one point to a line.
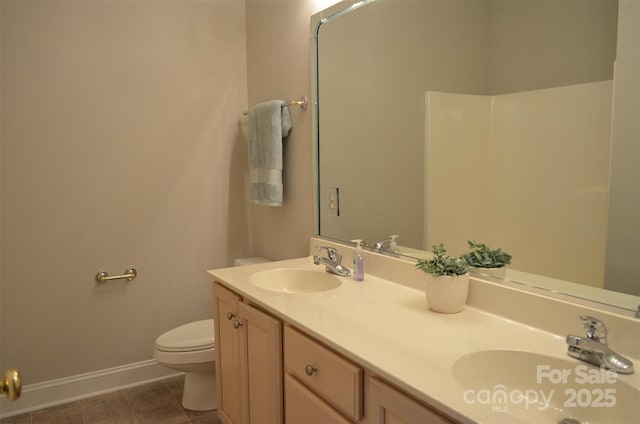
69 389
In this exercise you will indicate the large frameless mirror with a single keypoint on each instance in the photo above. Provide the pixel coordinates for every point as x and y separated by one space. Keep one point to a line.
491 121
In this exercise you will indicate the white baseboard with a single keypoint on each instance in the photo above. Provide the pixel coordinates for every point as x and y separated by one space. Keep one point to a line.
69 389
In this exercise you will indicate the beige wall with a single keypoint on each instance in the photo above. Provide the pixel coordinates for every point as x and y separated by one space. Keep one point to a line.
541 44
119 148
278 61
623 244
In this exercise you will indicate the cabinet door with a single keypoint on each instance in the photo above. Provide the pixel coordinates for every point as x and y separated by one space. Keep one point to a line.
386 405
262 354
304 407
228 363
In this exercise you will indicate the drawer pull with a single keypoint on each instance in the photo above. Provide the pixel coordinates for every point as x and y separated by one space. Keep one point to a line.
310 369
237 324
230 316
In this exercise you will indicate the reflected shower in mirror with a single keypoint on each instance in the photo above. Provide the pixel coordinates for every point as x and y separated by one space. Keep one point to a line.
448 121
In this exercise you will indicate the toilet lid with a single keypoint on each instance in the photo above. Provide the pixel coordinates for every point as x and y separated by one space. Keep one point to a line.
196 335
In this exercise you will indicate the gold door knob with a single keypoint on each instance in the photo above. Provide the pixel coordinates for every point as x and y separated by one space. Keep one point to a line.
11 384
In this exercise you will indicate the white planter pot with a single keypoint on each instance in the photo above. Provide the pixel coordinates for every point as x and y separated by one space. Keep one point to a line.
447 294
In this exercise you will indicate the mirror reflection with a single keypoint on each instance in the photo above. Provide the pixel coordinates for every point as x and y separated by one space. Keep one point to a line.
490 121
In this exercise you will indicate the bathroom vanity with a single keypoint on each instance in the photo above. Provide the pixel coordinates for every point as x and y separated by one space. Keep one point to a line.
320 385
296 344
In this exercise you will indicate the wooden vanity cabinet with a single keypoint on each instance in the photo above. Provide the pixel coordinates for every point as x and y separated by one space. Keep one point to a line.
315 385
248 361
388 405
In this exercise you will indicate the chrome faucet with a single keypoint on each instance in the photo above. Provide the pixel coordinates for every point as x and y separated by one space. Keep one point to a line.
382 245
386 245
333 261
594 347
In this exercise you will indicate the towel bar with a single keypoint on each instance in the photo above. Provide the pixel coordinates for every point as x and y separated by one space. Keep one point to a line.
103 276
303 103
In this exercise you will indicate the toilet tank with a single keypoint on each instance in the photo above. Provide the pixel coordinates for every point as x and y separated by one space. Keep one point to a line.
250 261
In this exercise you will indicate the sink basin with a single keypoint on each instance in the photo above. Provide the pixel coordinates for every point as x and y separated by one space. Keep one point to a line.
288 280
519 386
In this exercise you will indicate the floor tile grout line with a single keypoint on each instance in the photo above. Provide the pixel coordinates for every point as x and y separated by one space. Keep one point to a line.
177 400
81 413
131 410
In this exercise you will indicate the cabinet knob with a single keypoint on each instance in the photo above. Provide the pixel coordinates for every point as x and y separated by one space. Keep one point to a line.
230 316
310 369
237 324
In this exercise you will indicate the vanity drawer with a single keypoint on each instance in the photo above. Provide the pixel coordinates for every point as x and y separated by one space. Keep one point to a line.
303 406
333 378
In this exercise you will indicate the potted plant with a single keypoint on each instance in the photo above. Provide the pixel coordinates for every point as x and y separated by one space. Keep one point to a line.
485 260
447 282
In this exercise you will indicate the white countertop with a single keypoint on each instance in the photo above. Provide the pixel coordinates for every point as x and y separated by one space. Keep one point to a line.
388 328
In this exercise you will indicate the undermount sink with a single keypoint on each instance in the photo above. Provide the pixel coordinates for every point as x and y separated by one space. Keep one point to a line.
523 386
292 280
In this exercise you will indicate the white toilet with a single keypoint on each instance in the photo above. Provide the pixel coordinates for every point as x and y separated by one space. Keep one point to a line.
191 348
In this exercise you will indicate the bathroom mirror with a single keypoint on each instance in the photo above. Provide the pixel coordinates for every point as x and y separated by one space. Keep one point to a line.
491 121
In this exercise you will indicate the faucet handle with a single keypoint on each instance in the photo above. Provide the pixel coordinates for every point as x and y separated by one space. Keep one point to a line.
595 328
332 253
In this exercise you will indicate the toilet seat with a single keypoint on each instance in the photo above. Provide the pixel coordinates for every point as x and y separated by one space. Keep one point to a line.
198 335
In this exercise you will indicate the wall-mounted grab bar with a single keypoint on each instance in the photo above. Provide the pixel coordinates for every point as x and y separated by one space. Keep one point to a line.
103 276
303 103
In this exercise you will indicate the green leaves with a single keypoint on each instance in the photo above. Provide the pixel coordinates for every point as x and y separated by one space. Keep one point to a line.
481 256
442 264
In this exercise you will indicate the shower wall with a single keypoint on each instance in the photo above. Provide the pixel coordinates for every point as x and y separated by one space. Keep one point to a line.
529 174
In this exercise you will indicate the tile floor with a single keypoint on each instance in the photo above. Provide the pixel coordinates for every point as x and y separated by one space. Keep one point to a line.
155 403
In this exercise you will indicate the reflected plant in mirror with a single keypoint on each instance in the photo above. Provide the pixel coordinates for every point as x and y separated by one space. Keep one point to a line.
429 112
482 256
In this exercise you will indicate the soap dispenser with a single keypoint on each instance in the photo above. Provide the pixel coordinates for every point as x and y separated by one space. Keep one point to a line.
393 245
358 261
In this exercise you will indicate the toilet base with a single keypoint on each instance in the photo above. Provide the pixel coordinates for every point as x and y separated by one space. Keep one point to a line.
199 393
